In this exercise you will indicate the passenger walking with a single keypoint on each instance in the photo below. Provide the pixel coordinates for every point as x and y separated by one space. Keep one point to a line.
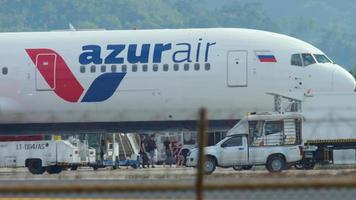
179 156
143 153
150 148
169 152
175 148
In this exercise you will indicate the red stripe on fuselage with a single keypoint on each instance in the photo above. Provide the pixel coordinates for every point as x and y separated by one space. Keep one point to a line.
268 60
63 81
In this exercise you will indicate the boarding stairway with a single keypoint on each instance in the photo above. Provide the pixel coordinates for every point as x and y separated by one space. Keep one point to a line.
128 147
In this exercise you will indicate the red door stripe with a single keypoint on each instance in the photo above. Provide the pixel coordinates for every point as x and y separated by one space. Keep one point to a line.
66 85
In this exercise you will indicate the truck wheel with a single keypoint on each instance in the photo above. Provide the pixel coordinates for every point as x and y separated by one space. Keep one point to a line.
35 166
54 169
247 167
275 164
305 164
237 167
209 165
299 165
309 165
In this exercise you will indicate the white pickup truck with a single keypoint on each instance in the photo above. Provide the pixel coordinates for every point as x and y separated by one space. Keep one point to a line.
270 140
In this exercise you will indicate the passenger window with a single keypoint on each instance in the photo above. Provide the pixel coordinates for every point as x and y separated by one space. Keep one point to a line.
93 69
176 67
165 67
308 59
273 127
196 66
207 66
124 68
233 142
113 68
134 68
103 68
144 68
296 60
4 70
155 67
186 66
82 69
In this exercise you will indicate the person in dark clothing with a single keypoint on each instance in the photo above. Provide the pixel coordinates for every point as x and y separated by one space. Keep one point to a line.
150 148
143 153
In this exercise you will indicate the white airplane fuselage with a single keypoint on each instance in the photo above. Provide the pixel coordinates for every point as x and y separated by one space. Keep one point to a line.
137 77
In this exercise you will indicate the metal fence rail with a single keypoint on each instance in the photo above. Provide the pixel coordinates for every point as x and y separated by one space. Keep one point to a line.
114 188
318 189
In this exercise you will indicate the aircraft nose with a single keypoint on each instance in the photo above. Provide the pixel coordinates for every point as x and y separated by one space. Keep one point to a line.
342 80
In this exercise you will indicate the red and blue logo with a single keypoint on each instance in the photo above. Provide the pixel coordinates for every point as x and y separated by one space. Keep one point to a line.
62 81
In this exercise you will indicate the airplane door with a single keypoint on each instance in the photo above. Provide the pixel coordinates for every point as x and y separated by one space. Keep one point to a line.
45 72
237 69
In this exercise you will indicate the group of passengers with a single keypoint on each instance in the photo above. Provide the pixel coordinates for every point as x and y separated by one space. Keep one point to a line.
147 150
172 149
173 152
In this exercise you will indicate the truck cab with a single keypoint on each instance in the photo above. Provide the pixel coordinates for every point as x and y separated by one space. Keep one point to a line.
269 139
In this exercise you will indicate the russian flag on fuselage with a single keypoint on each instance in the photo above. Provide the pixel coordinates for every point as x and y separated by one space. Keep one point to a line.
267 58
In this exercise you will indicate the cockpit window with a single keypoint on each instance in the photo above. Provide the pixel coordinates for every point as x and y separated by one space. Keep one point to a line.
296 60
322 58
308 59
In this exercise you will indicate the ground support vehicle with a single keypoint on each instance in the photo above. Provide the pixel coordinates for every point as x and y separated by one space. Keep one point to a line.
39 156
328 129
324 152
264 139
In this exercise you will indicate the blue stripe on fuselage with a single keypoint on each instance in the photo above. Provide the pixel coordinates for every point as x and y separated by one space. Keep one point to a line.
103 87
